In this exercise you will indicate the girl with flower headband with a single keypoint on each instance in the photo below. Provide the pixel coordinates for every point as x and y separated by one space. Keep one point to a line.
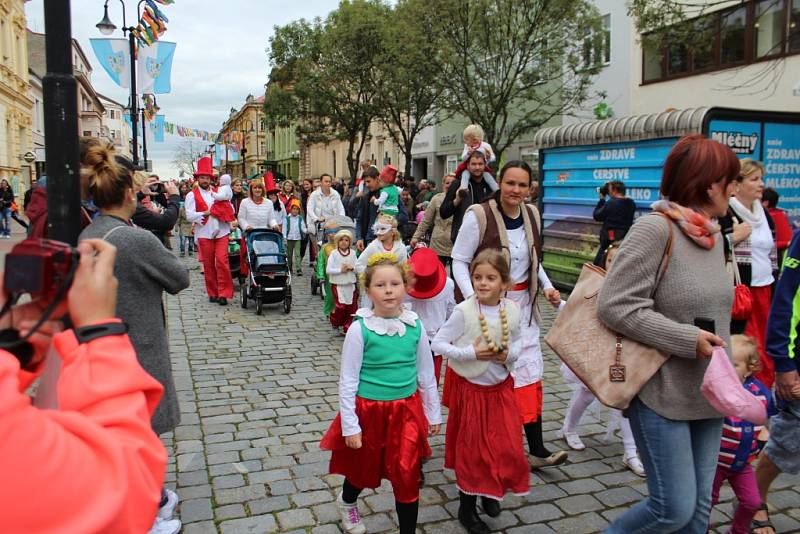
482 341
387 240
388 400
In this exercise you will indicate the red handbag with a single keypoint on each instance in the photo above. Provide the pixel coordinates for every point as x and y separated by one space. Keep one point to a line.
742 299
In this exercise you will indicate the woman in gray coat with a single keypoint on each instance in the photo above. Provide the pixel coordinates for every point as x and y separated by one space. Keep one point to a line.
145 269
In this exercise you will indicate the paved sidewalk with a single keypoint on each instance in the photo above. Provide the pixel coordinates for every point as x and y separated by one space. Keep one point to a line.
257 393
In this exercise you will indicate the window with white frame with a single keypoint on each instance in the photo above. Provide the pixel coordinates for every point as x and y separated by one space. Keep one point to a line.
451 164
597 45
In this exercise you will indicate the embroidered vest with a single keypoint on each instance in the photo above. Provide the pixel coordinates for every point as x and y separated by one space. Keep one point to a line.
472 330
389 366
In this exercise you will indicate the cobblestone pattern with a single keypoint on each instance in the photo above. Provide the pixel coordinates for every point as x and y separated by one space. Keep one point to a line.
257 393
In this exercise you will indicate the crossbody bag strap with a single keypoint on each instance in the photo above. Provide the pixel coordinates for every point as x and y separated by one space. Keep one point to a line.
666 257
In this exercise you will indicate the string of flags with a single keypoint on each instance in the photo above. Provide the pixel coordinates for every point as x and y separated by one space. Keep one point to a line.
152 24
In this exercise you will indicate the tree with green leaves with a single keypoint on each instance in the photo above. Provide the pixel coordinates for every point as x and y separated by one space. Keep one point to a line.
409 89
513 65
323 72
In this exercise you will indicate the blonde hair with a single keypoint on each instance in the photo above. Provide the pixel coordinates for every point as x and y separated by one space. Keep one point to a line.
341 234
383 259
139 179
749 348
496 260
473 131
749 166
108 182
385 218
258 182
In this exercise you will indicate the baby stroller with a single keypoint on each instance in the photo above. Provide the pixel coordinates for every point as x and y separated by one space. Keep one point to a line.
235 255
269 281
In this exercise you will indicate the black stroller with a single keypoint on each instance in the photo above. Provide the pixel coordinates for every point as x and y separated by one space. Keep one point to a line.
269 281
234 256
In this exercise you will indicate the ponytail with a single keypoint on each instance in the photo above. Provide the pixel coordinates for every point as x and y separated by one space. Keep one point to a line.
108 181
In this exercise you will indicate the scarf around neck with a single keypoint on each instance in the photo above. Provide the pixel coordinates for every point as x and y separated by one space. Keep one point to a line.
754 218
694 225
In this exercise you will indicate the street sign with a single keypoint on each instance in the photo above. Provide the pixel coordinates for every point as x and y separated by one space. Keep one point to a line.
29 157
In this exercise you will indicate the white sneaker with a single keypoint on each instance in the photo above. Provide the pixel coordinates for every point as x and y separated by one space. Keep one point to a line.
634 464
351 519
166 526
168 510
572 439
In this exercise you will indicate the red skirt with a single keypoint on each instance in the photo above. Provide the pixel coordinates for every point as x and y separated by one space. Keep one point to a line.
394 440
342 314
483 442
529 402
757 329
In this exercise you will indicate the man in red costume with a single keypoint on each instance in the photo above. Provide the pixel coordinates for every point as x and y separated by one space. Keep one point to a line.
212 235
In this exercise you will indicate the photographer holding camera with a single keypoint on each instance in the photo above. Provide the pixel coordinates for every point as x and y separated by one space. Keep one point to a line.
616 214
93 465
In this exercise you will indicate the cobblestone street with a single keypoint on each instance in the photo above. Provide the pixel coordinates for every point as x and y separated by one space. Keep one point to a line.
257 393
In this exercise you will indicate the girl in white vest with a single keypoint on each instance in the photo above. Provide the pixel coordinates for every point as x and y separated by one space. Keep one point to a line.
341 271
388 401
481 341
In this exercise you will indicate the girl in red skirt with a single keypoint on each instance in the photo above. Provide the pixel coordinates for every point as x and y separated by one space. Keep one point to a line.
341 271
481 341
388 401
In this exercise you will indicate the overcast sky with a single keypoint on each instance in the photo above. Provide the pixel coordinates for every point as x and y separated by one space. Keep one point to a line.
220 58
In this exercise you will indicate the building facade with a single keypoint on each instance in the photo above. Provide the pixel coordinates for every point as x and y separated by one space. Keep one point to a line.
16 106
283 152
248 121
36 95
114 126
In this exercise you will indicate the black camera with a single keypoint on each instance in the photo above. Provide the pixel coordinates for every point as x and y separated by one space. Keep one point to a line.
40 268
604 189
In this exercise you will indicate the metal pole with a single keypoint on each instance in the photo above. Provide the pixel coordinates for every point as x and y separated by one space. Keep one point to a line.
61 126
144 141
134 112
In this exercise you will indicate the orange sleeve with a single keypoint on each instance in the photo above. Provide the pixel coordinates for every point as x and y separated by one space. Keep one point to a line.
92 466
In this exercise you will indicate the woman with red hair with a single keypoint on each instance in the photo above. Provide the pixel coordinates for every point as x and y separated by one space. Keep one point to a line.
684 310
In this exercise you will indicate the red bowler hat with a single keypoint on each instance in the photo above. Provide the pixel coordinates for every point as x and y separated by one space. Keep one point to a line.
388 174
269 184
204 167
429 274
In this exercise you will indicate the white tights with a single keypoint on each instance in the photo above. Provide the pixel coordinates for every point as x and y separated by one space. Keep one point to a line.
581 399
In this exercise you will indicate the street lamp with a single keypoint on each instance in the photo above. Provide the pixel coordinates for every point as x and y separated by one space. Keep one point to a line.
107 27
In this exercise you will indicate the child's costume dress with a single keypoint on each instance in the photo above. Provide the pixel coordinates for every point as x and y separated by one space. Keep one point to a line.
322 276
483 442
343 288
222 208
387 392
388 200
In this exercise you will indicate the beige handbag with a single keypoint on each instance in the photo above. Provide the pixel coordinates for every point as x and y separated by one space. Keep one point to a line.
612 367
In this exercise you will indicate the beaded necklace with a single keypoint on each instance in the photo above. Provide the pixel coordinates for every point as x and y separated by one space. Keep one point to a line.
493 346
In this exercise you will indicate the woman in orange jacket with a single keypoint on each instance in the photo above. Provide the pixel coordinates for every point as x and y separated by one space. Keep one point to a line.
94 465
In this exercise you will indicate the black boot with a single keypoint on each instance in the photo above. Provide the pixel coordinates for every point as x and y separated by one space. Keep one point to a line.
490 506
468 516
213 299
222 301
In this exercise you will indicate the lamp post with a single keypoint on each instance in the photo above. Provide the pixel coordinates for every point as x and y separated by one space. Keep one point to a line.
107 27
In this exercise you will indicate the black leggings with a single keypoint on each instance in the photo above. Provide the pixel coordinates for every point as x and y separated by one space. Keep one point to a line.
533 433
406 511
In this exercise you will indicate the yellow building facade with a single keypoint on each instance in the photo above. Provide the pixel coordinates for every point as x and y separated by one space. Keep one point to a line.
16 106
248 120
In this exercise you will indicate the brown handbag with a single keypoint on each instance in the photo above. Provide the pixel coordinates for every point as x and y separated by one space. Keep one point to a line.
614 368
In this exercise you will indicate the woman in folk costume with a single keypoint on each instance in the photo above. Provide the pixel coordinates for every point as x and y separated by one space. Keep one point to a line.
432 297
341 272
388 401
482 341
506 223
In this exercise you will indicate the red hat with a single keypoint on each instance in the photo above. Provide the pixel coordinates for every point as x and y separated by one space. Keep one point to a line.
429 274
204 167
388 174
269 184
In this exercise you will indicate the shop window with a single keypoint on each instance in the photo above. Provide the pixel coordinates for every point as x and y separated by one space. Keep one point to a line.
732 36
769 27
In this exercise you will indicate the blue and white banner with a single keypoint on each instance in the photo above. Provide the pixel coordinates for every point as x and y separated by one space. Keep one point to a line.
158 128
154 69
113 55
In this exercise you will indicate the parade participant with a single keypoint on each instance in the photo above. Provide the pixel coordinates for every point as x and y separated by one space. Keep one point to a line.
211 235
145 270
473 141
740 440
306 187
438 228
185 227
582 397
287 193
341 271
273 192
324 203
783 230
781 453
387 239
329 231
506 223
222 208
91 465
432 297
389 196
256 212
294 230
238 195
367 211
388 401
482 341
673 309
457 201
755 254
